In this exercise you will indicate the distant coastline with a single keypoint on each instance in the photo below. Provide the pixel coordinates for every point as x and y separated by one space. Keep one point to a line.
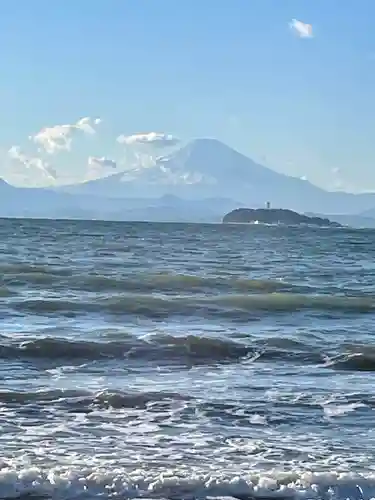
226 180
275 216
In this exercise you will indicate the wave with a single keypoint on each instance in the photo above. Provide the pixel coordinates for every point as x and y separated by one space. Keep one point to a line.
167 282
174 407
20 269
162 347
69 483
189 350
355 357
138 283
359 362
86 400
185 350
235 306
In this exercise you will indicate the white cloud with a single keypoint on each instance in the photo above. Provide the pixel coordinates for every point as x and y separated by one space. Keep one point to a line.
303 30
30 162
101 162
59 137
87 124
144 160
140 153
151 138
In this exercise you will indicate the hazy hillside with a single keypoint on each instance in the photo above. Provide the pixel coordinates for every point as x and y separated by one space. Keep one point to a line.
37 202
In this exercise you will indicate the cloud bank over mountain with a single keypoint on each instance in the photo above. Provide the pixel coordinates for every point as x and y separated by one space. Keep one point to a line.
47 155
101 162
60 137
154 139
31 162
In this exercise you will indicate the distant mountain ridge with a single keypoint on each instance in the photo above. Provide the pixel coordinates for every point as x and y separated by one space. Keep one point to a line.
41 203
199 182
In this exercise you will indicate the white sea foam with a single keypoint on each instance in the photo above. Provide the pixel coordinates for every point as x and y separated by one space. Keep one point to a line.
340 410
69 483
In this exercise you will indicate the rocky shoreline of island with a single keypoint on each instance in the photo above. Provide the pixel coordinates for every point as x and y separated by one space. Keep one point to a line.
275 216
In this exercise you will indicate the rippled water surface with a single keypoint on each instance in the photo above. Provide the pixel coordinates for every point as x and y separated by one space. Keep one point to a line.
186 361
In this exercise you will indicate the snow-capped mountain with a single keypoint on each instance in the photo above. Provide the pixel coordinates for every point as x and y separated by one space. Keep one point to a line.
202 180
207 168
202 168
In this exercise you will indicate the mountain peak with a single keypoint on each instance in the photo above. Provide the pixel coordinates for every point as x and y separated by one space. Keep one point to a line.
208 145
215 159
208 141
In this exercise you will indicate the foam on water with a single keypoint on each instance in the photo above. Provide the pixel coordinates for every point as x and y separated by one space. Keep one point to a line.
69 483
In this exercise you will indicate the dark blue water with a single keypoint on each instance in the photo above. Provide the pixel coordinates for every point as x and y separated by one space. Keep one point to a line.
186 361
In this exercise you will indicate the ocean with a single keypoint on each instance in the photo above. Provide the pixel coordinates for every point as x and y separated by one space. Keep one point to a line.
186 361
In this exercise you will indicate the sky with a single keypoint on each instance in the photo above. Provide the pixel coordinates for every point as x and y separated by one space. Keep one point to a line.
235 70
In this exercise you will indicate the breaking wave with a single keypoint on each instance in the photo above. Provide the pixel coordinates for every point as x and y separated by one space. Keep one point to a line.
89 483
188 350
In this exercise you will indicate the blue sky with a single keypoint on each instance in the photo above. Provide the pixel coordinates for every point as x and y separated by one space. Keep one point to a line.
233 70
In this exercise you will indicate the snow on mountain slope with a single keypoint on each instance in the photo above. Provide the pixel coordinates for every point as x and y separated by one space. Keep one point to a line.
207 168
202 162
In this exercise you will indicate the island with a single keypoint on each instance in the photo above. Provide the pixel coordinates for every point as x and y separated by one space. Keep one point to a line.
275 216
